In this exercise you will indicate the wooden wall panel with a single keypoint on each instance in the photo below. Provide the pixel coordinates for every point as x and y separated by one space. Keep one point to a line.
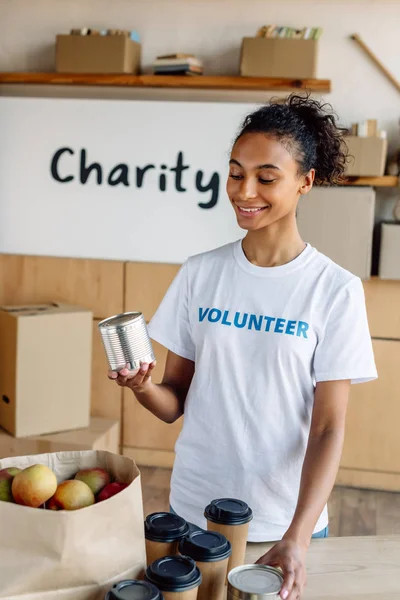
372 431
141 429
383 307
146 284
94 284
106 394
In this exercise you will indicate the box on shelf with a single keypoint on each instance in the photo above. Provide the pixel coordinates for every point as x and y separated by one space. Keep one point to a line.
97 54
274 57
339 222
45 368
102 434
389 260
367 156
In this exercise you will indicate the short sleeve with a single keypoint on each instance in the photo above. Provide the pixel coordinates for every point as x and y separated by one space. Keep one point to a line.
170 326
344 351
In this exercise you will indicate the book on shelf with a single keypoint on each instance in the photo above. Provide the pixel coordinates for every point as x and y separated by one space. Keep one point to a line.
276 31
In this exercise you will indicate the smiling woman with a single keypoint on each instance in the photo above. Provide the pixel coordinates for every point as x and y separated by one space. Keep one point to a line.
264 336
280 152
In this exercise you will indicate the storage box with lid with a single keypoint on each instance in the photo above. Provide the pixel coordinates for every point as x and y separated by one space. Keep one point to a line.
389 259
99 54
367 156
45 368
102 434
275 57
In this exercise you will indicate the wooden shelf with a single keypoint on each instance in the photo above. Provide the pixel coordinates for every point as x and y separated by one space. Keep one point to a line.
170 81
385 181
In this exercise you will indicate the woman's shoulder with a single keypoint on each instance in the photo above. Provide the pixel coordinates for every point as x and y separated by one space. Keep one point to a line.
212 257
338 276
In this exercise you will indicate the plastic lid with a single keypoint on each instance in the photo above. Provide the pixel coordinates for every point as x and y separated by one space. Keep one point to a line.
174 574
165 527
228 511
260 580
205 546
134 590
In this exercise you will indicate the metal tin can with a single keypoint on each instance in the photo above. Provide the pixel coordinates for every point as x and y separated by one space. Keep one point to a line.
126 341
254 582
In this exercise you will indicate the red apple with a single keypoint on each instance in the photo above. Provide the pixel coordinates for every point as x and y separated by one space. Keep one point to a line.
71 495
111 490
95 478
6 479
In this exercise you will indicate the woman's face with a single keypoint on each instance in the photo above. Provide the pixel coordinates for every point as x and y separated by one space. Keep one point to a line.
264 184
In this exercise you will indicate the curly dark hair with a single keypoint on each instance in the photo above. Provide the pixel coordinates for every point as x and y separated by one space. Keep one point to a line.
309 130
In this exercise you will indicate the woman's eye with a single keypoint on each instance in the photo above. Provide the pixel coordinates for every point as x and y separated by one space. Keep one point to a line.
233 176
266 180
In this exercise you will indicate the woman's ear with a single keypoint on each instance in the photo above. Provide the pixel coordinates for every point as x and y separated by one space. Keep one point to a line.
306 182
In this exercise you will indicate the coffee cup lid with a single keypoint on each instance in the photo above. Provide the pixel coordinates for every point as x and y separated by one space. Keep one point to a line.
134 590
165 527
228 511
205 546
174 574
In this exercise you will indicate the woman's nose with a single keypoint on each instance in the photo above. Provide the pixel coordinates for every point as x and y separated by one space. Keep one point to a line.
248 189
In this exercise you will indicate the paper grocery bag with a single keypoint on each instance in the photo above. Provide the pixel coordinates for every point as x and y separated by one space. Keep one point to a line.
72 554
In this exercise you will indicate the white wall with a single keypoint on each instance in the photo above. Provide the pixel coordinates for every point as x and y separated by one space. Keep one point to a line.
213 29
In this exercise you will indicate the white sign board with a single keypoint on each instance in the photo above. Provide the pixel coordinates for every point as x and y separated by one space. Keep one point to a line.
108 179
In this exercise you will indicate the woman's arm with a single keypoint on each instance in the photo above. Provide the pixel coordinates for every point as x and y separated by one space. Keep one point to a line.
166 400
319 472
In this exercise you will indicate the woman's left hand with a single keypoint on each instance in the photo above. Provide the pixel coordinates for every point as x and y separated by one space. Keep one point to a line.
290 557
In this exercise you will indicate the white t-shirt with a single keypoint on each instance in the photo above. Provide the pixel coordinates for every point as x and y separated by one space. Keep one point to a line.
260 338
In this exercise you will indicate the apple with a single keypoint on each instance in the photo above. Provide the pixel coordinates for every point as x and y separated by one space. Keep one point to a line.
6 479
95 478
34 486
110 490
71 495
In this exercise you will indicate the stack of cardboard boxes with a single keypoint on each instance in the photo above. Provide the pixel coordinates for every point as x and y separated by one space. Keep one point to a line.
45 382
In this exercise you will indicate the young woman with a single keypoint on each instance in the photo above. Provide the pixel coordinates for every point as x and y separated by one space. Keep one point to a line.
265 336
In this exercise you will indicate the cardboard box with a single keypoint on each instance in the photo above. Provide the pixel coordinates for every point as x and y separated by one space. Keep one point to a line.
389 259
367 156
102 434
45 368
97 54
339 223
270 57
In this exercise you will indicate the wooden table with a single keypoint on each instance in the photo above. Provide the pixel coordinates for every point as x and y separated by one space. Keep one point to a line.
349 568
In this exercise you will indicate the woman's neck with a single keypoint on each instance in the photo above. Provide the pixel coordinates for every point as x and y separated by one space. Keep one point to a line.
272 246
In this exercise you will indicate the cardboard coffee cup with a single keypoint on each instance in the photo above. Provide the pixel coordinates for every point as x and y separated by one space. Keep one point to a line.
163 532
211 551
177 577
134 590
231 518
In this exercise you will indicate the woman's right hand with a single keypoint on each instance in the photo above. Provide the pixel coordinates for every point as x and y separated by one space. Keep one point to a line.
136 380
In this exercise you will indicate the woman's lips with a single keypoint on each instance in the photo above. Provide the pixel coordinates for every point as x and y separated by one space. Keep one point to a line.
250 211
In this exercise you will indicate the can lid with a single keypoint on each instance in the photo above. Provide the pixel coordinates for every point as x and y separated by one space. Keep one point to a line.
174 574
165 527
119 320
205 546
260 580
134 590
228 511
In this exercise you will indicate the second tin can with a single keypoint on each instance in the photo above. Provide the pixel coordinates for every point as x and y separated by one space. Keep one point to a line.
126 341
254 582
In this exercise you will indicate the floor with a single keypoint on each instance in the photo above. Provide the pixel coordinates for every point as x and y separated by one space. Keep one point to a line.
352 512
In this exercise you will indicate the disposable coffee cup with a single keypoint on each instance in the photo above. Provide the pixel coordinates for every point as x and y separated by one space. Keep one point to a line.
231 518
163 532
131 589
255 582
211 551
177 577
